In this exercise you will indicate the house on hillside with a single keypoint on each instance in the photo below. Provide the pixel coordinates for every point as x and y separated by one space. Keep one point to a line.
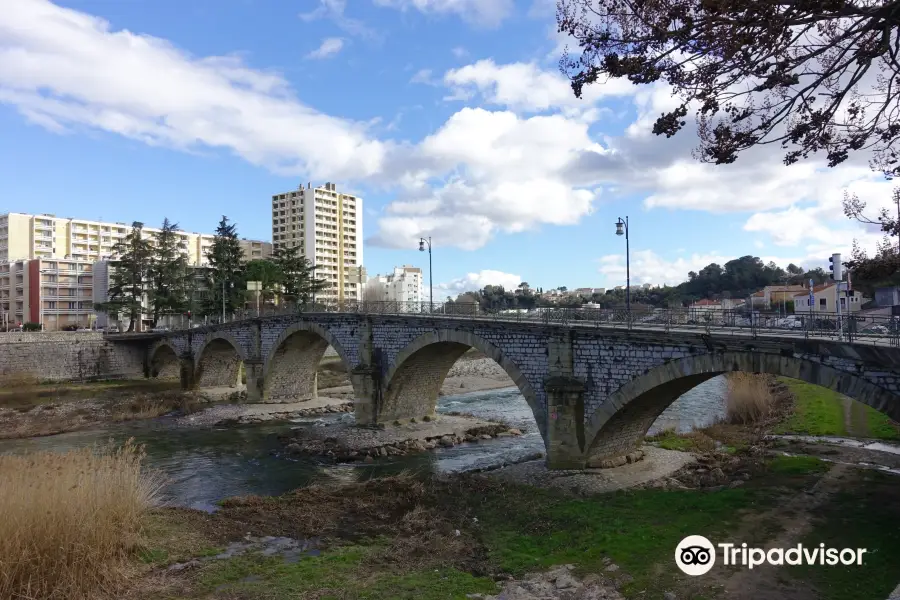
825 300
776 295
706 304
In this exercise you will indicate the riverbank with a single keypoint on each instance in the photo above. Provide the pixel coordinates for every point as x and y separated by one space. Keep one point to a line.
450 537
28 409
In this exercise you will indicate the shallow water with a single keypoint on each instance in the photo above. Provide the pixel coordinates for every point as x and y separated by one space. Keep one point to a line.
204 466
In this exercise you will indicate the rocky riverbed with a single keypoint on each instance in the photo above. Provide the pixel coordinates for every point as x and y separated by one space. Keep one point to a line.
345 441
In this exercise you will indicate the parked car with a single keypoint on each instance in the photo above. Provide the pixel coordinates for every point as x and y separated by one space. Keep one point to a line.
790 323
875 330
159 329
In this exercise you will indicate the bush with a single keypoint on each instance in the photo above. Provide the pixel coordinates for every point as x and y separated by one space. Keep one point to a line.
70 521
31 327
749 398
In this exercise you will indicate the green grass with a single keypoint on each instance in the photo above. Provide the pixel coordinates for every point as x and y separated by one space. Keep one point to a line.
817 411
797 465
864 516
881 427
820 411
670 440
637 530
341 571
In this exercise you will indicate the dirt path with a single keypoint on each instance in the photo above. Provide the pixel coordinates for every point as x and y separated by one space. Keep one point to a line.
855 421
792 520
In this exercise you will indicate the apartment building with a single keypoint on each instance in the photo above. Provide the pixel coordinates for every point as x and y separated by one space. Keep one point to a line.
55 257
327 226
404 286
54 292
24 237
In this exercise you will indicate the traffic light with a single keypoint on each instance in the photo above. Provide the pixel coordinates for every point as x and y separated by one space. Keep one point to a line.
837 271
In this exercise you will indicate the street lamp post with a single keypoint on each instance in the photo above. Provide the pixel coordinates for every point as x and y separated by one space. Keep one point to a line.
230 285
620 225
422 243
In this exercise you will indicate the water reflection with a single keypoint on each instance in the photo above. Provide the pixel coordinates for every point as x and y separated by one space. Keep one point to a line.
205 466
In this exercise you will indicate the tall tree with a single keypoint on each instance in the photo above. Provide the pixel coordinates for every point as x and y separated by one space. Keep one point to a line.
298 279
815 76
168 272
227 287
128 277
267 273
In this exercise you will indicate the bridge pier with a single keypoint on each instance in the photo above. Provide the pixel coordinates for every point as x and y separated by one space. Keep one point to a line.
187 372
253 369
565 423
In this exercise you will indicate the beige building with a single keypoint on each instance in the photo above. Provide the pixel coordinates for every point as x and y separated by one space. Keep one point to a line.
327 226
825 300
24 237
46 265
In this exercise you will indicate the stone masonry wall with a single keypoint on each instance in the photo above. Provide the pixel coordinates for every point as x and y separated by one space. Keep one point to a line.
67 356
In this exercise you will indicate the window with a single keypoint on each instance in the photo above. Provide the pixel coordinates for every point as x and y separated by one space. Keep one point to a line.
823 303
843 303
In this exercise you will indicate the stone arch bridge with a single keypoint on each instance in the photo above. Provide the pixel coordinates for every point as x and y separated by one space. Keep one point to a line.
594 391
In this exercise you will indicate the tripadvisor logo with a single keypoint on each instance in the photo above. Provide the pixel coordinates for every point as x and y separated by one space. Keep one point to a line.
696 555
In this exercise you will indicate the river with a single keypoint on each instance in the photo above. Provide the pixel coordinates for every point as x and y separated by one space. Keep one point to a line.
204 466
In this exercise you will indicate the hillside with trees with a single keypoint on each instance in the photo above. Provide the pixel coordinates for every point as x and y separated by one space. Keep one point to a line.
738 278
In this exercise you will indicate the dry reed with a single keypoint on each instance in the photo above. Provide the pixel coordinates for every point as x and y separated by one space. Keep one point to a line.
69 521
749 398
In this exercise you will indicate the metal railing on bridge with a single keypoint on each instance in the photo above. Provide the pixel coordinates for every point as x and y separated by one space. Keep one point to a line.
878 329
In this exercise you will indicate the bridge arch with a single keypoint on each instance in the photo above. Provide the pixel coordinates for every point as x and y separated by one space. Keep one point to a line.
219 361
622 421
163 361
413 383
290 368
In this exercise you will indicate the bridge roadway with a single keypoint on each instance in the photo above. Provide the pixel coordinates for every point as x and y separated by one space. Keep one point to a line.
593 388
875 339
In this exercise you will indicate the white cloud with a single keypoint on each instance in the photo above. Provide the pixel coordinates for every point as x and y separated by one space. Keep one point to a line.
459 52
334 10
423 76
64 69
485 13
507 174
475 281
648 267
328 48
525 87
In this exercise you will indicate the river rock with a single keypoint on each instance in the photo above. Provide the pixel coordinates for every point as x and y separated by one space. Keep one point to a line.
447 441
718 475
486 436
515 431
294 448
633 457
368 459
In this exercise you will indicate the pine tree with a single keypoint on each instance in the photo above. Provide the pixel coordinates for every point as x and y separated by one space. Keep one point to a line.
168 273
128 277
298 280
225 273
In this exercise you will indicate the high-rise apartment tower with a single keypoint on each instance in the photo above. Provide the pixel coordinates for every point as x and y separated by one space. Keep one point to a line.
327 226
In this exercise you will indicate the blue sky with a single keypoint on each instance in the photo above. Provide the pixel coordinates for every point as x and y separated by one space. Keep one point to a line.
449 117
